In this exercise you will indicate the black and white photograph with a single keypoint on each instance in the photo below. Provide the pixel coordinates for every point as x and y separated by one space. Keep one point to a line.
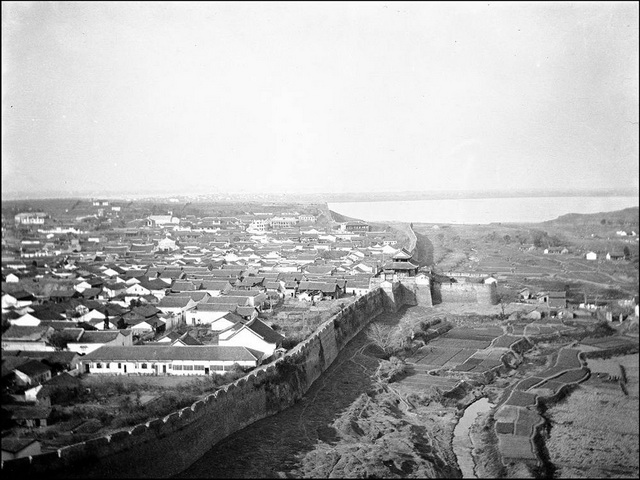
320 239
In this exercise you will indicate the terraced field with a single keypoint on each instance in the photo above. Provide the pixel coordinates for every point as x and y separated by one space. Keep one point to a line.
518 417
595 429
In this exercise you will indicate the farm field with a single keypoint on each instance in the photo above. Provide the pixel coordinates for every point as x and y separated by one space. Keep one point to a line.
595 429
516 253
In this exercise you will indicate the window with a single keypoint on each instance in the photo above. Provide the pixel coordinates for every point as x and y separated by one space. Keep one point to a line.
188 367
144 365
177 367
98 365
198 367
119 365
107 365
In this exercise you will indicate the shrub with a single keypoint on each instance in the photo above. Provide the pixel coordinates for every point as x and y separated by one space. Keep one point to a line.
291 341
391 370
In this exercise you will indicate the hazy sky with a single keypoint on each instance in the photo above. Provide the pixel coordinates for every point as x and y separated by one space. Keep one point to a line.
318 97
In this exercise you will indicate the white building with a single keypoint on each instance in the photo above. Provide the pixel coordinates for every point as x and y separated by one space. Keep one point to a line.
168 360
30 218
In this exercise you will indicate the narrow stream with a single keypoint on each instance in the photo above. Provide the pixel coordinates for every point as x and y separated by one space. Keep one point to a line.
462 445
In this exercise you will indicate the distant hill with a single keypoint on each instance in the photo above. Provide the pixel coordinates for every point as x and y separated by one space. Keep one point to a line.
628 216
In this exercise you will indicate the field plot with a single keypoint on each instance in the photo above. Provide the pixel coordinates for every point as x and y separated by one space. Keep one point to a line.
487 333
505 427
468 365
573 376
447 342
460 357
521 399
516 447
435 356
531 330
526 422
595 430
609 342
547 389
568 357
536 328
527 383
506 413
504 341
490 359
518 330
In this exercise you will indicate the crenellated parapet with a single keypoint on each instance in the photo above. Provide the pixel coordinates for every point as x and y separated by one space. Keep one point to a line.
193 430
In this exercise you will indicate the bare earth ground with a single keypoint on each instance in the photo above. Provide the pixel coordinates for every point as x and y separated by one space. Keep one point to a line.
595 429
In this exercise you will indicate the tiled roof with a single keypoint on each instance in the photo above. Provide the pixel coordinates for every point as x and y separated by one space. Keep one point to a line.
400 266
217 307
98 336
215 285
320 286
33 367
174 302
152 353
267 333
238 300
17 332
182 286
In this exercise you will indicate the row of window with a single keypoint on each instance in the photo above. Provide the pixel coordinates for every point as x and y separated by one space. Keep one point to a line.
215 366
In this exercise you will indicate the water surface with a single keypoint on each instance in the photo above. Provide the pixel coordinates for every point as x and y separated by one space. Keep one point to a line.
481 210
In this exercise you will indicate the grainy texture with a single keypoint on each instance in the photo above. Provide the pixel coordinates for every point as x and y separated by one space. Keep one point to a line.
595 429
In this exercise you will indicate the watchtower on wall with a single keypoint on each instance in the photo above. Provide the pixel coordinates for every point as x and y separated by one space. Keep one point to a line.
400 267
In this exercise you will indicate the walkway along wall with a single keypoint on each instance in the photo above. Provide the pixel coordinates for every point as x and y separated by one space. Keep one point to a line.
164 447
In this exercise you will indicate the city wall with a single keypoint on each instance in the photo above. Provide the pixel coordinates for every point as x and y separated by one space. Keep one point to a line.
483 294
166 446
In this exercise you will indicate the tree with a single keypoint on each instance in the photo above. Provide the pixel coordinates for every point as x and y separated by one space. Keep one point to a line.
60 339
383 337
626 252
503 307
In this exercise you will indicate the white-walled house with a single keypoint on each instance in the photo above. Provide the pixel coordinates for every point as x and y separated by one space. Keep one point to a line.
205 314
26 320
591 256
255 335
91 315
136 289
93 340
178 306
27 338
168 360
226 322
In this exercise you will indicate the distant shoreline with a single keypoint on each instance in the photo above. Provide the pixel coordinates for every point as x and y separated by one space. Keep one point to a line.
318 197
484 211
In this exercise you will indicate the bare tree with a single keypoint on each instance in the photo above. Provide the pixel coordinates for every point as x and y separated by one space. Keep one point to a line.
383 336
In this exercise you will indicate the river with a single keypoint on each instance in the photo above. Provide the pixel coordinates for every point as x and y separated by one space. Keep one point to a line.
481 210
462 445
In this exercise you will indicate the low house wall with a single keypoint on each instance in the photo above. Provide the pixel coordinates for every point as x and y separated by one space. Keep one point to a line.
166 446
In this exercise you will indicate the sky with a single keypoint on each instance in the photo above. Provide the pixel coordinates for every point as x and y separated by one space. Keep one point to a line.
295 97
